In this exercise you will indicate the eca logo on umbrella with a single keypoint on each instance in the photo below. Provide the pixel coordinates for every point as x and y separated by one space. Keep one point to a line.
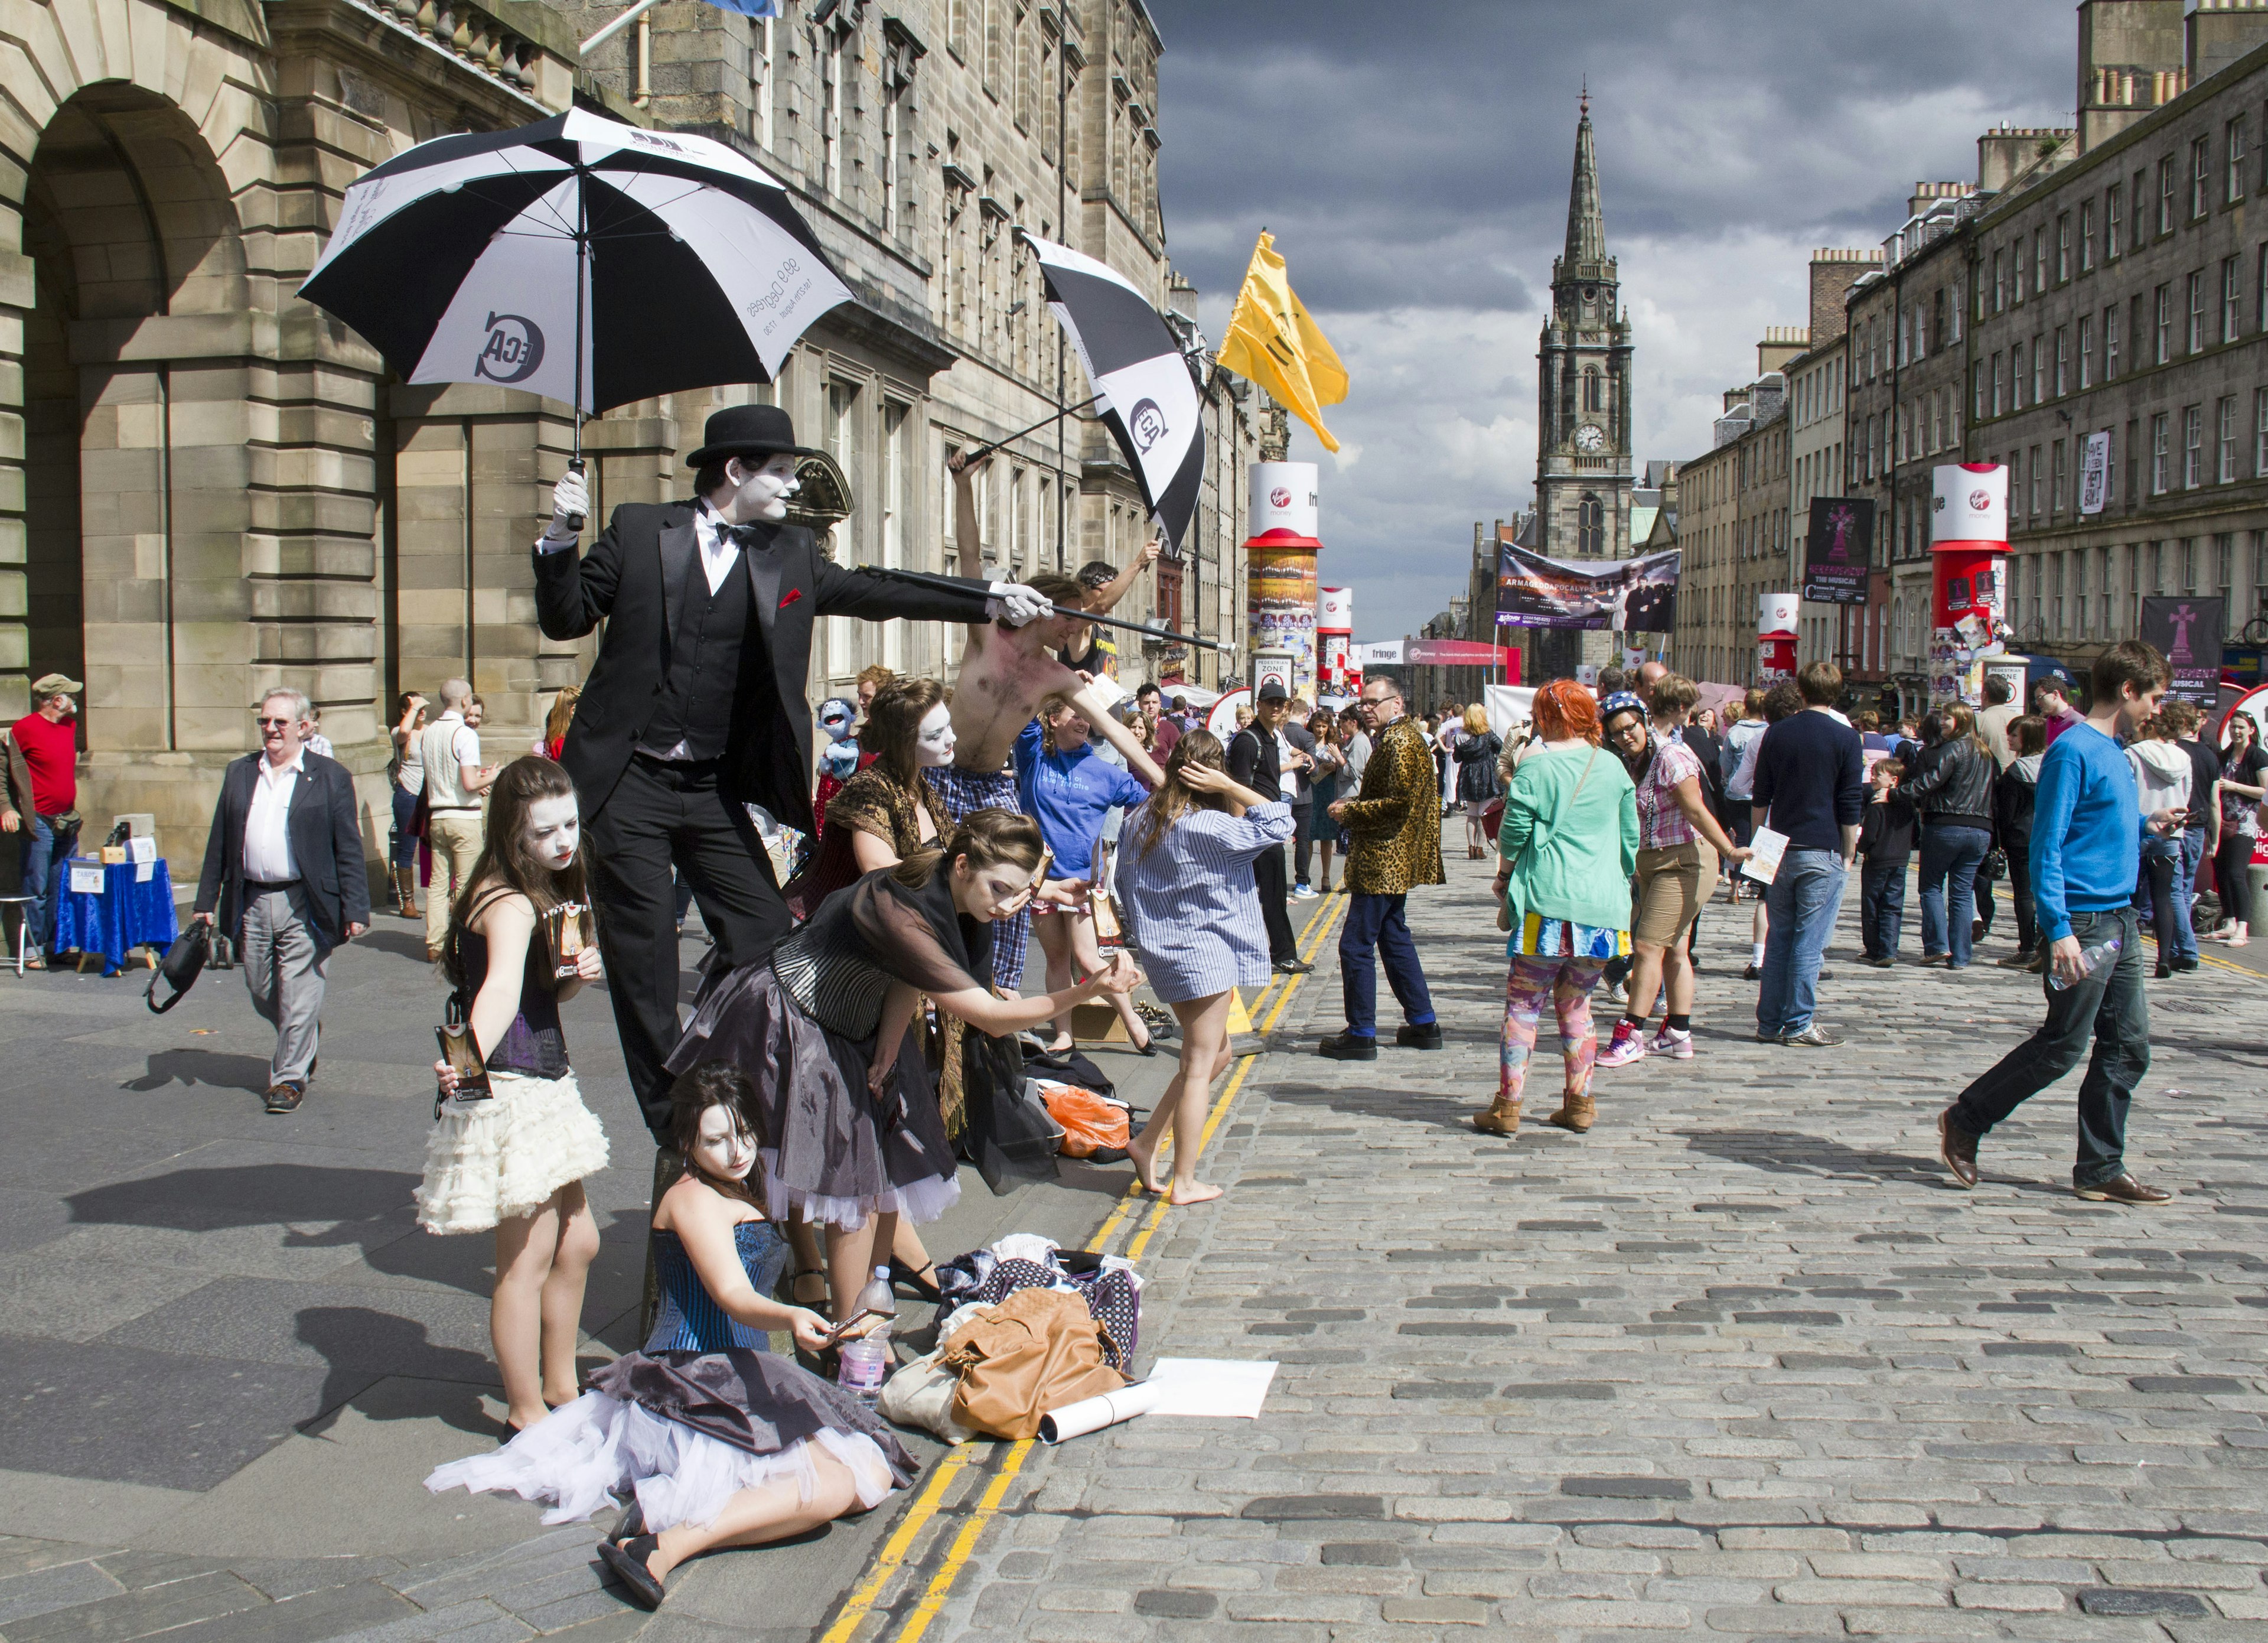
1147 424
513 350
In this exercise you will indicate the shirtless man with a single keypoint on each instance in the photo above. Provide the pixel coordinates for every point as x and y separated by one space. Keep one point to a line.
1005 672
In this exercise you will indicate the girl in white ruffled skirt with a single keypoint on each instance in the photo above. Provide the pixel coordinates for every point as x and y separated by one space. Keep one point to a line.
514 1161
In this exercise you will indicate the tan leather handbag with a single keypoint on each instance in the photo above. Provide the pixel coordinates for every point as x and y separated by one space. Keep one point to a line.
1039 1351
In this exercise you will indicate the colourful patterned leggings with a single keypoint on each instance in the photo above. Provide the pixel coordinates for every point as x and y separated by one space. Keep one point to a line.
1566 983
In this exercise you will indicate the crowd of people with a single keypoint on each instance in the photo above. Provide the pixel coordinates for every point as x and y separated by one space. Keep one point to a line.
842 1051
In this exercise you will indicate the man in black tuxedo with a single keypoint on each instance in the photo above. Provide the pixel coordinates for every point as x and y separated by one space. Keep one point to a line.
695 709
286 879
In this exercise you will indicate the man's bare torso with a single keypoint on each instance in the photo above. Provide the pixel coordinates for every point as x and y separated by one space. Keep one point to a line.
1004 676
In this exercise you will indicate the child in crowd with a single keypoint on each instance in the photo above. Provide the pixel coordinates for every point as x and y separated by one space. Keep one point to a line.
1886 839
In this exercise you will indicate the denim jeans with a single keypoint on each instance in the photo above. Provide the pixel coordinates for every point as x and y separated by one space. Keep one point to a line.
1950 856
2113 1006
1376 929
1881 905
404 852
1801 903
2154 894
45 851
2190 848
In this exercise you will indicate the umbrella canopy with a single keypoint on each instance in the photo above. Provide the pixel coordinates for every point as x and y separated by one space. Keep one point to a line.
580 258
1150 400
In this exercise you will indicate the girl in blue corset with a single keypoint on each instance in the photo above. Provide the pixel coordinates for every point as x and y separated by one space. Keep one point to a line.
722 1442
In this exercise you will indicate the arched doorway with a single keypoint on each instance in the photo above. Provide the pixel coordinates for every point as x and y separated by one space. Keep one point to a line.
137 466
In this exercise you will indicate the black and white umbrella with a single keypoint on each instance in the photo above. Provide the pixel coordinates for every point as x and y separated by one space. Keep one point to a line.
1149 398
580 258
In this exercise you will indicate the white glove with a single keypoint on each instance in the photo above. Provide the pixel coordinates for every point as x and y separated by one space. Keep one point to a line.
571 499
1017 603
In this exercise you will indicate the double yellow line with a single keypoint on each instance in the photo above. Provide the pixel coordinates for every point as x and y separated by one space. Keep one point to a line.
865 1598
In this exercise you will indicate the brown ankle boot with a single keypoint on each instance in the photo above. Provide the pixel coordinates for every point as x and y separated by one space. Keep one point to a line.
1575 1113
405 892
1501 1118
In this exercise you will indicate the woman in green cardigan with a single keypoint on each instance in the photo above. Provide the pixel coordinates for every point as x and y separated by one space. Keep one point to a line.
1568 845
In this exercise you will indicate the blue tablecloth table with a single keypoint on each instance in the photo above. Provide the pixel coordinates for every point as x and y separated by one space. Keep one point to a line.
127 914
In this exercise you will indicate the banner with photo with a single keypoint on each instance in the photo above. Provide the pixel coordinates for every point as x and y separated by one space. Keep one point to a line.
1838 548
2188 634
1636 595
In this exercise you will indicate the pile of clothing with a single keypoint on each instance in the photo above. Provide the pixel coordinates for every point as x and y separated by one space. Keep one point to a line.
1024 1327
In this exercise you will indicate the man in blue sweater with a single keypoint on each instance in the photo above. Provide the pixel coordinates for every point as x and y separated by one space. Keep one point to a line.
1811 785
2086 851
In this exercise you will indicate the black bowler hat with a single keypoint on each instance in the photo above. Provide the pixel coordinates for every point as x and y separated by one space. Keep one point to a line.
747 431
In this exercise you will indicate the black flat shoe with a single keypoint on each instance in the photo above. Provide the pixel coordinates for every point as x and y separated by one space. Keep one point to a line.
627 1559
1348 1046
1292 967
1425 1037
920 1285
629 1525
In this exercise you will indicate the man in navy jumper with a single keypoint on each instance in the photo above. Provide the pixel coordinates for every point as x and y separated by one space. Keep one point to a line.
2086 850
1811 785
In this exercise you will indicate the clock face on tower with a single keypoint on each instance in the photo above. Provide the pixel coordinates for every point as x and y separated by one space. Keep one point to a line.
1590 438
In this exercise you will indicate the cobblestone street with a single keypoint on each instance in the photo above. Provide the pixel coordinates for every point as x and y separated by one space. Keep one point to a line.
1742 1361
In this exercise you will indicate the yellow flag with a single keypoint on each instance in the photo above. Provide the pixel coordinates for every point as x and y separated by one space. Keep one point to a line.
1273 342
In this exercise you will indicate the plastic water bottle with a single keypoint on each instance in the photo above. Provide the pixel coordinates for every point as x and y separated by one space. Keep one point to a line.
865 1362
2093 956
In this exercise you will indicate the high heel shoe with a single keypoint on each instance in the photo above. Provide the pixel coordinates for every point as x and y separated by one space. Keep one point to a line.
628 1560
922 1285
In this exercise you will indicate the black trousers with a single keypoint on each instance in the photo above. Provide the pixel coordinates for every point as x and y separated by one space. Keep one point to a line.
659 814
1268 879
1302 841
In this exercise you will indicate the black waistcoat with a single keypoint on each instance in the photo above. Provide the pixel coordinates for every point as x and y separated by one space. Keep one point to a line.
696 702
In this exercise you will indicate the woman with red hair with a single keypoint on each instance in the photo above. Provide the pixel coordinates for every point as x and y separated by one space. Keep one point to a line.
1569 844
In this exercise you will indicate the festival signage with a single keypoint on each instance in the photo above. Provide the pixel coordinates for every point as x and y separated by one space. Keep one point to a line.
2188 634
1838 548
1637 595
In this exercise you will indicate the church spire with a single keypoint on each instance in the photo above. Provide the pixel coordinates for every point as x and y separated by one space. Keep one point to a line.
1587 227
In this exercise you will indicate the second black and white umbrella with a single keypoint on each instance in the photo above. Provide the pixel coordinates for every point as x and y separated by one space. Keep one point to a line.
1150 400
580 258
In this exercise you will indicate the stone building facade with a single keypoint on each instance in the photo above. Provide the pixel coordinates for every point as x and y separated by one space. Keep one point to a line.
1732 524
212 488
1816 388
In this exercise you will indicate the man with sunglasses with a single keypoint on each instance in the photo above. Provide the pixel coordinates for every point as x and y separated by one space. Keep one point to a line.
1394 843
284 876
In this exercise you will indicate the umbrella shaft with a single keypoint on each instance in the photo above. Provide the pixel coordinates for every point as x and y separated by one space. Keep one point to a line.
983 451
949 586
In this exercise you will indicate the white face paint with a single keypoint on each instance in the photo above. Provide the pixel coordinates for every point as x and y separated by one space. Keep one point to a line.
933 744
764 491
725 1147
554 830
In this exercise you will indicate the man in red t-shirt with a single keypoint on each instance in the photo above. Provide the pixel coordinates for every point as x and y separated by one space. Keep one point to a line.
42 796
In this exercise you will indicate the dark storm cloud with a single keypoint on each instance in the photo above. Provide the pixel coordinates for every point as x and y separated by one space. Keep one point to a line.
1413 163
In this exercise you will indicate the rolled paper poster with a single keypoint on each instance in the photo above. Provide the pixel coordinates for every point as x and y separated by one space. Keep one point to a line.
1093 1414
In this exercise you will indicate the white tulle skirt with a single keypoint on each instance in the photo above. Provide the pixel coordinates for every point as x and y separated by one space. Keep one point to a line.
919 1202
589 1454
490 1160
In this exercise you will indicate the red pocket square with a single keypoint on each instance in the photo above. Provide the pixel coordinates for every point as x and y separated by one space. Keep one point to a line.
793 595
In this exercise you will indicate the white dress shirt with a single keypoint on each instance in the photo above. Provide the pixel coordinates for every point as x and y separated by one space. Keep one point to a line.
719 552
267 830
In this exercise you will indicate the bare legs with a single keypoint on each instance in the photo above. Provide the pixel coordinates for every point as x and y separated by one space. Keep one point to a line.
753 1516
1205 1058
542 1261
1660 969
1068 939
850 1262
1324 847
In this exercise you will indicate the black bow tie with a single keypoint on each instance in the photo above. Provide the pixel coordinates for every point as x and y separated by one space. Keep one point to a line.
744 536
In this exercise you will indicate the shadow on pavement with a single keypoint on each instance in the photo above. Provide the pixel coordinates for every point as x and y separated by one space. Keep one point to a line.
409 943
213 1068
363 1345
1787 1152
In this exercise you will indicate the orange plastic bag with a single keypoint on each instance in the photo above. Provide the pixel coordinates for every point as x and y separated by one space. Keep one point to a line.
1090 1122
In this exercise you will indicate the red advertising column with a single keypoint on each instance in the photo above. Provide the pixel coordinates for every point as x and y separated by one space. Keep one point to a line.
1775 636
1968 557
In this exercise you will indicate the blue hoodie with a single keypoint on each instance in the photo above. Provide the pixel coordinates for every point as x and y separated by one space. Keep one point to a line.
2087 830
